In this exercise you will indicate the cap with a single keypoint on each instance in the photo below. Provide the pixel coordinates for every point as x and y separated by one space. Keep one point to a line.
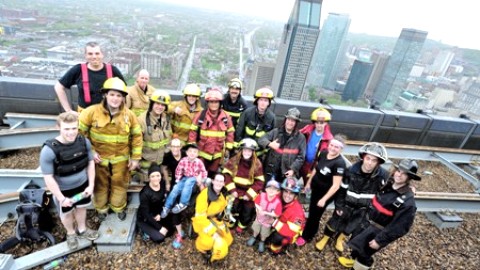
154 168
273 183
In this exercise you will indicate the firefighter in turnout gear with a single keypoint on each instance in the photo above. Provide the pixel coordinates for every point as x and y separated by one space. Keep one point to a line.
244 180
233 103
182 112
390 216
138 98
286 146
289 226
156 130
116 140
214 237
213 131
360 183
257 120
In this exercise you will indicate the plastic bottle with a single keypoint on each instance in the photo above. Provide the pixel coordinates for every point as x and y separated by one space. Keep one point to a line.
77 197
54 264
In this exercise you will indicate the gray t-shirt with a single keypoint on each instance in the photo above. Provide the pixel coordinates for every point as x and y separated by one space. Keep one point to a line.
47 159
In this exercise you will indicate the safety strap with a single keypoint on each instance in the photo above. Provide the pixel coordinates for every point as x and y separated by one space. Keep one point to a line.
86 85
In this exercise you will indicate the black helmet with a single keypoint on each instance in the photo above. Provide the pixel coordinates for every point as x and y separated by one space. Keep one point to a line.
410 167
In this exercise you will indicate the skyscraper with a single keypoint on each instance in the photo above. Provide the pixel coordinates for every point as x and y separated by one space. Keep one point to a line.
404 55
262 75
357 81
329 52
296 49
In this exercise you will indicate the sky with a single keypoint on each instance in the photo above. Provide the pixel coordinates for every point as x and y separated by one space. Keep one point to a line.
450 22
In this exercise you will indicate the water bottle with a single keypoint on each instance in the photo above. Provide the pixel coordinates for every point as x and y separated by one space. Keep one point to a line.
54 264
77 197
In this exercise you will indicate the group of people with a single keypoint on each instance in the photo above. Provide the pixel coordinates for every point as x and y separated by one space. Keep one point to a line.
228 161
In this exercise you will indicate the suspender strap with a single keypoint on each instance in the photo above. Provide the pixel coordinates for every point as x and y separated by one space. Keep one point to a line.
86 85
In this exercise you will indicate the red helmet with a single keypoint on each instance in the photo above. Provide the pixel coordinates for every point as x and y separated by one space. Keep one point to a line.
214 94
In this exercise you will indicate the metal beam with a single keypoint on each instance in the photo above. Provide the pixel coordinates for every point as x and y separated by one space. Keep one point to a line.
472 179
25 138
24 120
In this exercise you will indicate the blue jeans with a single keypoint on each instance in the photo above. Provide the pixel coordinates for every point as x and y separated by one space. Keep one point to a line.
184 188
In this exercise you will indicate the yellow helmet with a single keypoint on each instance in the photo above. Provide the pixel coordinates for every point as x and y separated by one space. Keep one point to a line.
235 83
264 92
220 249
161 96
192 90
321 114
214 94
115 84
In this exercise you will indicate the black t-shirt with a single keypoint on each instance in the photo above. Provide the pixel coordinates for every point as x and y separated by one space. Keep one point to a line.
171 163
327 169
95 78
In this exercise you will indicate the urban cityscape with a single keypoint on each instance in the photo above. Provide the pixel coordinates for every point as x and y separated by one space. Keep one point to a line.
301 59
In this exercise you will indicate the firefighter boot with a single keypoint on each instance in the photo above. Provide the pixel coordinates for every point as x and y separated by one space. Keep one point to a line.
320 245
339 243
359 266
347 262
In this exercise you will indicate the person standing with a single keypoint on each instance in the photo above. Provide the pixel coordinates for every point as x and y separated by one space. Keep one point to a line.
156 130
390 216
256 121
117 142
170 162
213 131
244 180
318 136
233 103
88 77
362 181
324 183
286 148
138 98
69 172
183 111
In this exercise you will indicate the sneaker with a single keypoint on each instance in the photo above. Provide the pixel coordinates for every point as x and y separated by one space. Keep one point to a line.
177 243
72 241
164 212
122 215
301 242
238 230
261 247
251 241
102 217
145 237
179 208
89 234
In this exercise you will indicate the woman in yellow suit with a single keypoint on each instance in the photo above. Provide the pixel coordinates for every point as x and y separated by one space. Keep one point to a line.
214 237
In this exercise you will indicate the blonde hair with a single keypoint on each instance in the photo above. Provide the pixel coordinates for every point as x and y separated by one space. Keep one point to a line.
67 117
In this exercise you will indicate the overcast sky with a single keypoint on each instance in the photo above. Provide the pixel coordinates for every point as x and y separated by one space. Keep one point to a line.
451 22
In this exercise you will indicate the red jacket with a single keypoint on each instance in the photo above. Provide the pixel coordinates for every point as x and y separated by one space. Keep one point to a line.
326 137
216 134
241 182
292 221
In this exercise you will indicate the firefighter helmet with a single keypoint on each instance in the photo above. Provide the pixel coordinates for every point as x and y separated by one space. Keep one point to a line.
410 167
248 143
291 184
264 92
220 249
320 114
116 84
235 83
374 149
161 96
192 90
293 113
214 94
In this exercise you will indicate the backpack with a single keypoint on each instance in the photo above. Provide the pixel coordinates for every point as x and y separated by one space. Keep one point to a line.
34 221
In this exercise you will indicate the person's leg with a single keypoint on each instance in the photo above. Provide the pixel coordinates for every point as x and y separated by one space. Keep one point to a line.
120 178
187 190
80 217
68 222
176 191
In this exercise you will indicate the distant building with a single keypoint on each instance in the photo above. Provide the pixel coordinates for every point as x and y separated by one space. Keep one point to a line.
153 63
329 52
357 81
296 49
469 100
404 56
409 101
262 75
442 62
379 61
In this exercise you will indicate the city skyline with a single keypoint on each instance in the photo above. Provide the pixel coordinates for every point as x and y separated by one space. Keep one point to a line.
434 17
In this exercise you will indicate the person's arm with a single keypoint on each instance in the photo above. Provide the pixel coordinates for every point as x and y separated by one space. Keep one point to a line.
166 176
337 180
52 185
62 96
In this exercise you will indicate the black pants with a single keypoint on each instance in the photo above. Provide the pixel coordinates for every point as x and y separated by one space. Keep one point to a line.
361 250
169 223
245 211
315 213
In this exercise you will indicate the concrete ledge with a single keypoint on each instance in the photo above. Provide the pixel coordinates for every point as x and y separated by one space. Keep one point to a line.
116 235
